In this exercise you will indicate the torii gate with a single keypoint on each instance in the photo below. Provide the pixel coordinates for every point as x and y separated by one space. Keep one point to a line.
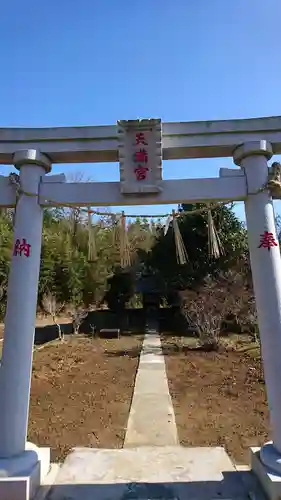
250 142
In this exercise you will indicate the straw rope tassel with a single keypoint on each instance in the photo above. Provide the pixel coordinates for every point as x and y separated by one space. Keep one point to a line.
92 247
115 221
181 252
153 227
125 260
215 247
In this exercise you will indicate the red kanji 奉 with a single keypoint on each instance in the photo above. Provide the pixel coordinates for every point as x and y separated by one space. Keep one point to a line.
267 240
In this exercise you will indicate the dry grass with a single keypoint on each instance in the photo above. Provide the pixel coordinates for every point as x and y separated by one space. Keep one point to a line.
81 393
219 398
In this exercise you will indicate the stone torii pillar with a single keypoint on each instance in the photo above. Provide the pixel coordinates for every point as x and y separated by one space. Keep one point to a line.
266 272
16 365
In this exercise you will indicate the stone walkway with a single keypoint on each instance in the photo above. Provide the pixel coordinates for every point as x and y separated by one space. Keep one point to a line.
152 465
152 419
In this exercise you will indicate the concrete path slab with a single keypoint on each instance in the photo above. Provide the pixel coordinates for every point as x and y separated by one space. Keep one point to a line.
152 419
147 473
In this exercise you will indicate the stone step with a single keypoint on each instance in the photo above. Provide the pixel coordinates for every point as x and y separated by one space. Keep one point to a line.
147 473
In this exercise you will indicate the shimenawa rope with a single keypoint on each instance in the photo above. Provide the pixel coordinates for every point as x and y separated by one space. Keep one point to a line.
215 246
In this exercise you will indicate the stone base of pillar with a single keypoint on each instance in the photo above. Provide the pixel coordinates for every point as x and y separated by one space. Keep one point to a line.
21 476
267 475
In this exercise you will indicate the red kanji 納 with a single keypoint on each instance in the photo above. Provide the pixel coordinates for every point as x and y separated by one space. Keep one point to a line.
22 248
267 240
140 138
141 156
141 172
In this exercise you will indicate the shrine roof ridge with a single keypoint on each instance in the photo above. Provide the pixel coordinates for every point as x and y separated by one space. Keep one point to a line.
181 140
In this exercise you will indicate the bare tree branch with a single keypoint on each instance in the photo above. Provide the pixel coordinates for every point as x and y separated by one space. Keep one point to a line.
77 319
52 308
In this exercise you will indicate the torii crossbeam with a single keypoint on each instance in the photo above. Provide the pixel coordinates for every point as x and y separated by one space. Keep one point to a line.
203 139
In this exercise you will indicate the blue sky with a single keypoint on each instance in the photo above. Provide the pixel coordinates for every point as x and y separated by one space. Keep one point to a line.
92 62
